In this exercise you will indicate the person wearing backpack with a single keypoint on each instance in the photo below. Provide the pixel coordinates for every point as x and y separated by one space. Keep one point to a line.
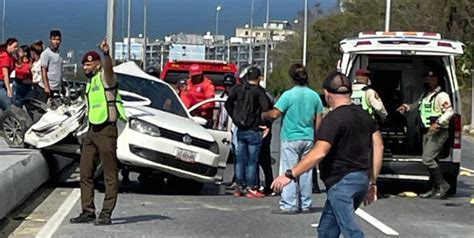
245 104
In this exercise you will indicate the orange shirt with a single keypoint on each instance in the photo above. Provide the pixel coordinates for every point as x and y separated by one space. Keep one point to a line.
6 60
200 92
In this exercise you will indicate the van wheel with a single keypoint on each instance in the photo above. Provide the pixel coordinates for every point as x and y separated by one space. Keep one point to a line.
14 123
453 183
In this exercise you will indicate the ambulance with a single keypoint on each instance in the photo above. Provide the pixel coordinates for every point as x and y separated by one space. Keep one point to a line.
397 62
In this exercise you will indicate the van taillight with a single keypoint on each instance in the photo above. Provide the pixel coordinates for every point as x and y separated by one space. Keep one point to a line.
445 44
363 43
457 132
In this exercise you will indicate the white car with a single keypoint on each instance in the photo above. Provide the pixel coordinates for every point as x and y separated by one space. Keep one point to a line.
162 135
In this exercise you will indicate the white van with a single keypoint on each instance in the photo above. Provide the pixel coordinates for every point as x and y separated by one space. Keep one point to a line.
397 61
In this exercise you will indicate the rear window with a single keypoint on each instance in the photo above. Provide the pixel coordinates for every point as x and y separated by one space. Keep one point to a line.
173 76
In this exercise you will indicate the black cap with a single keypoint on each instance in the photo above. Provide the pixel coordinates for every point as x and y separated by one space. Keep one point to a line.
431 73
337 83
251 73
229 80
182 82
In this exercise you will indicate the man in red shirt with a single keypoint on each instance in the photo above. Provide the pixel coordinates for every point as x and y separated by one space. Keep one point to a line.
199 89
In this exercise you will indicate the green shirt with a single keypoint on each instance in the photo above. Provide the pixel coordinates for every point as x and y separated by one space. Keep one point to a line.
299 106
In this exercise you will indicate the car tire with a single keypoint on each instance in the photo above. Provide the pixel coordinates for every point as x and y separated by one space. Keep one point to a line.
14 123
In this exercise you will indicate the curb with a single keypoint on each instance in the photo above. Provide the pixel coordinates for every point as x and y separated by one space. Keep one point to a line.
20 177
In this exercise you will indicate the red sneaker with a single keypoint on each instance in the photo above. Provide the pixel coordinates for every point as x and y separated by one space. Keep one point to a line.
254 194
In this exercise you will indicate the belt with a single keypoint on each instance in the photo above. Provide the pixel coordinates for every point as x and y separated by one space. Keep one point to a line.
107 123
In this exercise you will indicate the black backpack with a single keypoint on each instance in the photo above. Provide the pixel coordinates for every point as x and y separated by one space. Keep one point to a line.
245 113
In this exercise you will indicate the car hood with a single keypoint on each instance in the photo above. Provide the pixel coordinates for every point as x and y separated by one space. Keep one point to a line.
169 121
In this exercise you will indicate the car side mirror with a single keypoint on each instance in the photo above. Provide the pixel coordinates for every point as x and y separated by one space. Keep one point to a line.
199 120
323 100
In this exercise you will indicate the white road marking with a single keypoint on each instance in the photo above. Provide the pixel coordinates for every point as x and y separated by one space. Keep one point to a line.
55 221
468 170
376 223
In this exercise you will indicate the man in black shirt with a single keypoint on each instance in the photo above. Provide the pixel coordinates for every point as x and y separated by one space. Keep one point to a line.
245 104
346 137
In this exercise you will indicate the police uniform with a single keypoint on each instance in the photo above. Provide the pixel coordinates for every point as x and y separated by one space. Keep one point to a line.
369 100
434 107
104 109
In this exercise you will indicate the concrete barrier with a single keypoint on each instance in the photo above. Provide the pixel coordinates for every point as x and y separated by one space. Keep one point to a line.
22 172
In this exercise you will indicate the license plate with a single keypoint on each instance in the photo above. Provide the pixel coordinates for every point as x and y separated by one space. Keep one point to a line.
186 155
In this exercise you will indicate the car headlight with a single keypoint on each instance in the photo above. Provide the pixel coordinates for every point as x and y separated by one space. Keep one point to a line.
214 148
144 127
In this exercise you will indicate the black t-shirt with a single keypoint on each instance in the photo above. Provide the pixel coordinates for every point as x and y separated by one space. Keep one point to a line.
260 99
349 130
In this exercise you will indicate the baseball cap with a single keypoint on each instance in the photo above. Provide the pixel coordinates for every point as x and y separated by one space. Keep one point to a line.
90 56
195 69
337 83
251 73
181 82
229 80
430 73
362 72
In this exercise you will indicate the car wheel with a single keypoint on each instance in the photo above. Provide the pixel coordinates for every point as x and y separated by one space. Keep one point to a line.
14 123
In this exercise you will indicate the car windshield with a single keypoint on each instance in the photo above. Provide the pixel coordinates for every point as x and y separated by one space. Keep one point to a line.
162 97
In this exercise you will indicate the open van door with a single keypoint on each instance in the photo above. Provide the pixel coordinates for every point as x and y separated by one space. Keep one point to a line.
221 131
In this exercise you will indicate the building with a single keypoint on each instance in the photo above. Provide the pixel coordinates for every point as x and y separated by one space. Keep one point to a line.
278 30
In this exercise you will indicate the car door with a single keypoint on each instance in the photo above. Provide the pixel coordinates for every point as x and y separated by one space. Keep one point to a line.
218 128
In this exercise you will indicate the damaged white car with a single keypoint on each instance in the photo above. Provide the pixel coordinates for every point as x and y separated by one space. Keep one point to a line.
159 136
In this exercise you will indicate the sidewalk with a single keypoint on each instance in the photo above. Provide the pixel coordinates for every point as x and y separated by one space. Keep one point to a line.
22 172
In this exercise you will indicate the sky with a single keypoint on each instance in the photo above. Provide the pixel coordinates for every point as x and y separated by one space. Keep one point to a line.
83 22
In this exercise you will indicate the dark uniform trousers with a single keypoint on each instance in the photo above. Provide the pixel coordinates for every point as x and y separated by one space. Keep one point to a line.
101 142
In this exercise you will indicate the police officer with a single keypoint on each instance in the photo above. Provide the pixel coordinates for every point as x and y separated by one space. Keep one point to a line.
104 109
367 97
435 112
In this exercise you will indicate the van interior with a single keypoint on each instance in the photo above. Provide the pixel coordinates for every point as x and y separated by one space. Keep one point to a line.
398 80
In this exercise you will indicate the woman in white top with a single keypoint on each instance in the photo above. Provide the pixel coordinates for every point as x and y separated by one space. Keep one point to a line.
36 49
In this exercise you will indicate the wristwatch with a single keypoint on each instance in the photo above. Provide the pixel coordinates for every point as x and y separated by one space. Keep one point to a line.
372 184
289 174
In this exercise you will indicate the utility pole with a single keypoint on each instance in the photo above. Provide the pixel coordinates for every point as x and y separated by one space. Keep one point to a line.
123 31
111 8
251 33
387 15
145 3
4 19
129 54
218 9
472 99
305 34
267 41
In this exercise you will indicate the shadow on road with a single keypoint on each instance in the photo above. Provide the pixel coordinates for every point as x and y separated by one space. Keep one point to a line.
137 219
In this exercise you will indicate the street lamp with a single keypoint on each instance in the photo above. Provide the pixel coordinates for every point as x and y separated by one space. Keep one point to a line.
305 34
218 9
3 22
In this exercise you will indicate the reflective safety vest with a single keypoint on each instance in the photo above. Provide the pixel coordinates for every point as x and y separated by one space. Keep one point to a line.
97 101
359 97
428 112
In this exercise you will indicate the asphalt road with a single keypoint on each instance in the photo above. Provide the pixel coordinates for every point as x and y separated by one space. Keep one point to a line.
142 212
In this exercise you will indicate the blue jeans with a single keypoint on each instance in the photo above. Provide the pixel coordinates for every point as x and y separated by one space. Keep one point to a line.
248 148
21 91
343 199
5 101
291 153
